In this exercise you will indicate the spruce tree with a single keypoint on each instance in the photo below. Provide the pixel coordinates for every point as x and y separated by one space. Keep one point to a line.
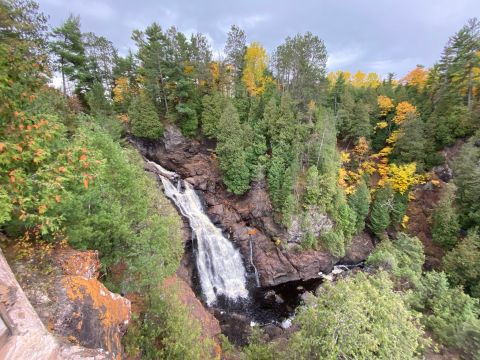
212 111
410 145
380 213
144 121
359 201
231 151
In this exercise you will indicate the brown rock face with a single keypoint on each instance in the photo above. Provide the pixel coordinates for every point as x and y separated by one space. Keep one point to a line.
94 316
248 218
22 333
72 303
210 326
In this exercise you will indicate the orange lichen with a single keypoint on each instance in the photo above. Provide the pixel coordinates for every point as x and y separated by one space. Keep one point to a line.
114 309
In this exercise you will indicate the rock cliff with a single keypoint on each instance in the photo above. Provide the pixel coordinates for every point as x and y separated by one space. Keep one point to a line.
74 316
248 218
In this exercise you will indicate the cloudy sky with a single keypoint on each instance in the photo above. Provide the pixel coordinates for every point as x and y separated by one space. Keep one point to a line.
370 35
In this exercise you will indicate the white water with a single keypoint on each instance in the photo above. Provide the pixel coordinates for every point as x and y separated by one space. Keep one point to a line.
219 264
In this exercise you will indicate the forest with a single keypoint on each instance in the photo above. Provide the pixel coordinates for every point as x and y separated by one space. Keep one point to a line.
358 148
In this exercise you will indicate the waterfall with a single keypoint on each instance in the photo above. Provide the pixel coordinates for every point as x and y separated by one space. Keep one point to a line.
253 265
219 264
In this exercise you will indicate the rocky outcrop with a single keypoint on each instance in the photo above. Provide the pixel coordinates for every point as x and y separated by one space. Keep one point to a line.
248 218
209 324
22 333
71 302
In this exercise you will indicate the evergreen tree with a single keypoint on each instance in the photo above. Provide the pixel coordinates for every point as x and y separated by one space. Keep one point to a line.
359 201
445 226
410 144
144 121
361 327
96 100
380 213
235 49
461 264
312 187
69 50
212 111
466 168
231 151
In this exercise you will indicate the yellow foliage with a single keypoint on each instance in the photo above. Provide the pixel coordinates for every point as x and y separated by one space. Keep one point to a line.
188 69
387 150
311 106
345 156
122 87
256 61
392 139
381 125
403 109
435 182
359 79
368 167
401 177
417 77
373 80
405 221
214 70
385 104
362 147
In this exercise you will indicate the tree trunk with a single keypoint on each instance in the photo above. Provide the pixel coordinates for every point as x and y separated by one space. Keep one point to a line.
64 82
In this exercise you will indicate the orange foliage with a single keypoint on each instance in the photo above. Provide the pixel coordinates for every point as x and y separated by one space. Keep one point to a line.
417 77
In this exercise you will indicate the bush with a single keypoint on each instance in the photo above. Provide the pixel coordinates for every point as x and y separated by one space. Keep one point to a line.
162 334
359 317
121 216
403 257
462 264
446 310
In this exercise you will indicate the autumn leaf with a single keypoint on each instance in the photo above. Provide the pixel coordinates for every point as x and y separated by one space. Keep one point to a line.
42 208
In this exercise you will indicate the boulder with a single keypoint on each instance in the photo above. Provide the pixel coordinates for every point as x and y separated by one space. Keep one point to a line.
23 334
71 302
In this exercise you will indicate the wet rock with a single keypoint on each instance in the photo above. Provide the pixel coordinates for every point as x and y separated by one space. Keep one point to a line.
444 172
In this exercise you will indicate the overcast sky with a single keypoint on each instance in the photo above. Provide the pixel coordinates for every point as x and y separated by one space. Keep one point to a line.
381 36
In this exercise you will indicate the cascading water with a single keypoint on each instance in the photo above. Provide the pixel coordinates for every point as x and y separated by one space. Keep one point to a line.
219 264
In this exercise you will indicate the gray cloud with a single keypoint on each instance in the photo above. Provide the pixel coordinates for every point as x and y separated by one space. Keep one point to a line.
382 36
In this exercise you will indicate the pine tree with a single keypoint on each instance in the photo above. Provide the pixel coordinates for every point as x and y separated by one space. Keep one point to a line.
231 151
144 121
69 50
445 226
